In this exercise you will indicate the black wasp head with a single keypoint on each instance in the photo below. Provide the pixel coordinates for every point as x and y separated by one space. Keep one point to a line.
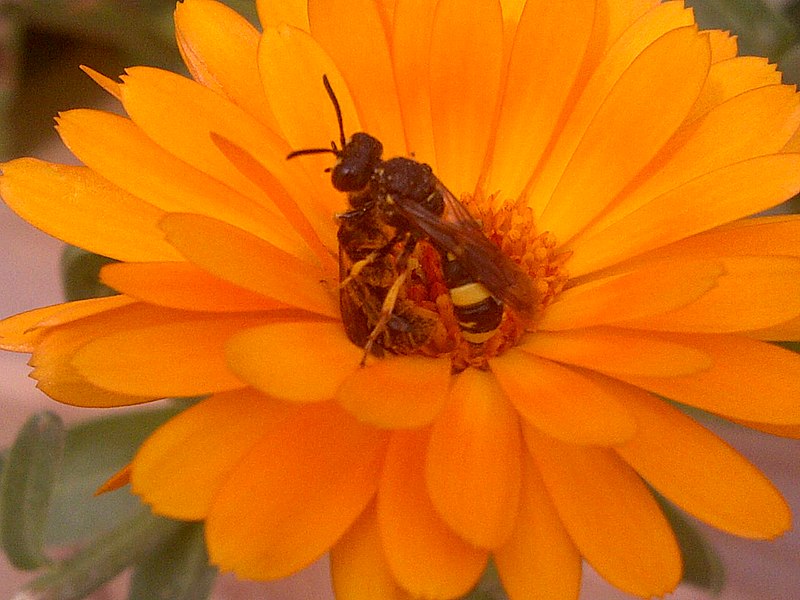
356 163
356 160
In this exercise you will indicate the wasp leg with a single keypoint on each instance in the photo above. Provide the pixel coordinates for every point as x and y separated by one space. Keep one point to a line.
370 258
389 302
387 308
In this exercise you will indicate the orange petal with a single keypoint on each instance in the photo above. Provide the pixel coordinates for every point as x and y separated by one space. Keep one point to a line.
754 123
411 46
465 65
118 480
473 462
273 517
787 431
182 286
181 466
639 115
754 293
777 235
723 45
98 216
109 85
724 195
610 515
615 63
291 12
247 261
292 64
699 472
649 290
358 565
611 350
424 555
561 402
20 333
749 380
540 561
52 360
297 362
345 28
397 392
536 88
181 115
119 151
729 78
182 357
219 47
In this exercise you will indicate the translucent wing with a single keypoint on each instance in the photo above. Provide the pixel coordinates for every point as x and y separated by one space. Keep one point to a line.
457 233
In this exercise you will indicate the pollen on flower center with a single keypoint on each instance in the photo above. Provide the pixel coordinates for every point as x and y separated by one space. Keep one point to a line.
475 318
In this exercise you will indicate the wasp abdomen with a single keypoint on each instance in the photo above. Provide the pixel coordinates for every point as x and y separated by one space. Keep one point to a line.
478 312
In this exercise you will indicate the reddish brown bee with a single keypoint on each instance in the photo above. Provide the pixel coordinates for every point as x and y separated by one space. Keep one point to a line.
394 204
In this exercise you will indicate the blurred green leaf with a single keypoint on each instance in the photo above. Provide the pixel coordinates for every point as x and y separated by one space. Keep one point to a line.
178 571
702 566
80 274
26 489
104 558
94 451
762 29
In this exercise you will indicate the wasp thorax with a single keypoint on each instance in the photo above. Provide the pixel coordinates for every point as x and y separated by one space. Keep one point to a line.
356 163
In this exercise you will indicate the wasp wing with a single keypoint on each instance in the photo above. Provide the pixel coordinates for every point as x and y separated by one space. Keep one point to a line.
459 234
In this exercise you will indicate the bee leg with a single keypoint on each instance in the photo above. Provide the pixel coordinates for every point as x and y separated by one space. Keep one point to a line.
387 308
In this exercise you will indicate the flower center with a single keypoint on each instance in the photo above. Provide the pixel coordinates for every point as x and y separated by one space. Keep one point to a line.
475 320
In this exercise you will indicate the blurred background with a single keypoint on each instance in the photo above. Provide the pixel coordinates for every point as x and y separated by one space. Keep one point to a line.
42 43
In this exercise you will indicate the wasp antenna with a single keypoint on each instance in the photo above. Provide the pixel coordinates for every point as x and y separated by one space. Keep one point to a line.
336 107
309 151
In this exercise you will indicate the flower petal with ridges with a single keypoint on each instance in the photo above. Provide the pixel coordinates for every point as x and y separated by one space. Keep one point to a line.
271 518
291 12
183 356
181 466
98 216
664 452
398 392
535 90
611 516
671 70
219 47
425 556
650 290
249 262
772 375
358 565
295 361
473 461
579 413
117 149
613 350
465 84
175 285
344 28
727 195
539 561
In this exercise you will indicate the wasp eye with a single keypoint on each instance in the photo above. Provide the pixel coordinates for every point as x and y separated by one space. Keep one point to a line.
357 161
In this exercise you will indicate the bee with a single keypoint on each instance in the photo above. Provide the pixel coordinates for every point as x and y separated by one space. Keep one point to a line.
395 205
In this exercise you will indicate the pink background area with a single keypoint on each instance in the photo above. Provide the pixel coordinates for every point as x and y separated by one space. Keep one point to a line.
29 278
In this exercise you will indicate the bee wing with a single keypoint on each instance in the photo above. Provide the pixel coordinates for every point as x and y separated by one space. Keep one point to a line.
458 233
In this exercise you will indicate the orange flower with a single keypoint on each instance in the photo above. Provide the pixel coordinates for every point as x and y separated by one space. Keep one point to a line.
608 147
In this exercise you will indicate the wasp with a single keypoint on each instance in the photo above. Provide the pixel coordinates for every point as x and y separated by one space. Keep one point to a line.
395 205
